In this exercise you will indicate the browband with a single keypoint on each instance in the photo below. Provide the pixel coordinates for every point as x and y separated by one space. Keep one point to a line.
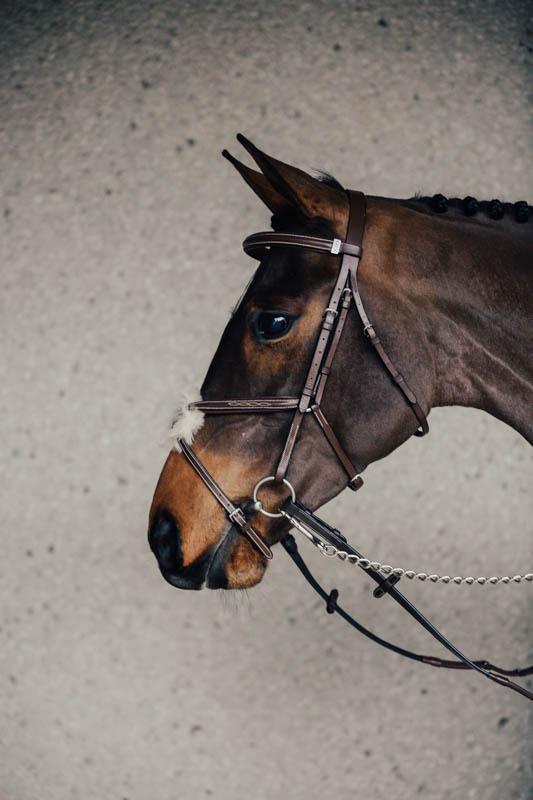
256 244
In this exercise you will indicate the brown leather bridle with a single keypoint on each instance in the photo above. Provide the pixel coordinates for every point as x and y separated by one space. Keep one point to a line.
345 291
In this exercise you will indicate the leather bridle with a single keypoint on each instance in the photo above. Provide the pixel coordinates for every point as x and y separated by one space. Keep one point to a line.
345 291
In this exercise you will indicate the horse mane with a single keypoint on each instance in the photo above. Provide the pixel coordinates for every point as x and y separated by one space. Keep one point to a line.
519 211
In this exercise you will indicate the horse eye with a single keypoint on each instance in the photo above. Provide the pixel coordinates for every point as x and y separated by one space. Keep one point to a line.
266 325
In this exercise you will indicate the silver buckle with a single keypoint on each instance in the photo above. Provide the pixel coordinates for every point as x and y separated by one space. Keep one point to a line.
351 482
336 247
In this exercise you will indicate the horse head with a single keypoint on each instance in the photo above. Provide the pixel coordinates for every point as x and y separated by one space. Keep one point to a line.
265 351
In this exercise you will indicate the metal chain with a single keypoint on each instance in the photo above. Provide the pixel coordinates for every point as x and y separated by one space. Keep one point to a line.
330 551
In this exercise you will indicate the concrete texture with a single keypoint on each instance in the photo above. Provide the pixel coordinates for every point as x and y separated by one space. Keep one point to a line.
113 684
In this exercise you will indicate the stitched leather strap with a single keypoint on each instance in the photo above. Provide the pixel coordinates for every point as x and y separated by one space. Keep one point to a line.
256 405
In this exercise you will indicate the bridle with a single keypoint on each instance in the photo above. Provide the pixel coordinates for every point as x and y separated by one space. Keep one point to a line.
345 291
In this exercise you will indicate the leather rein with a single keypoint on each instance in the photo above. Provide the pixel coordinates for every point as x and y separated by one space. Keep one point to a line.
345 291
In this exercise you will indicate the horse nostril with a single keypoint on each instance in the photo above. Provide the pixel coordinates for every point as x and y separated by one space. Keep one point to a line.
164 540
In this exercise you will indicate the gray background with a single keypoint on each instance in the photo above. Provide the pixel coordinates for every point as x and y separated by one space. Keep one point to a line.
113 684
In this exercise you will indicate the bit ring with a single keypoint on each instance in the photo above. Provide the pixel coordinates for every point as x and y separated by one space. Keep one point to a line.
258 505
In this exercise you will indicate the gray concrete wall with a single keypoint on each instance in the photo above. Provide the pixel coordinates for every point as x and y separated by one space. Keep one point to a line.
113 684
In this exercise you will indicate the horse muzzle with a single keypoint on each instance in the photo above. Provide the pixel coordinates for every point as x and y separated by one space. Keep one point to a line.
232 563
164 538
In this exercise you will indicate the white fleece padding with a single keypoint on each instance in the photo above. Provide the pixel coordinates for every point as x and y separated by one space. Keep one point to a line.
185 424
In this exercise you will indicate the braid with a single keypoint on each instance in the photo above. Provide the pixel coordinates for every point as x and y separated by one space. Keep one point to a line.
494 209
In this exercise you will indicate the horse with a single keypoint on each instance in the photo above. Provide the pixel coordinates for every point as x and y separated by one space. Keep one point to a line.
447 284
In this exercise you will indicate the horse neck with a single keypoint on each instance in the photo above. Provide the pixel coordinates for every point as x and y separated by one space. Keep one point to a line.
472 288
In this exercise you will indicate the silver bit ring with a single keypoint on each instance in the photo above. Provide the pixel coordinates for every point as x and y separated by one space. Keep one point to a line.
258 505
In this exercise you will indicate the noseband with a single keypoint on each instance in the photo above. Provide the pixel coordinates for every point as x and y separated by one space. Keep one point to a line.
345 291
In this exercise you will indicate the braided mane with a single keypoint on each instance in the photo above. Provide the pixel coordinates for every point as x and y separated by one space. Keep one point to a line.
469 207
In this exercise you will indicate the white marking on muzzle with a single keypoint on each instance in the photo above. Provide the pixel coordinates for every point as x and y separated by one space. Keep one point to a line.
185 424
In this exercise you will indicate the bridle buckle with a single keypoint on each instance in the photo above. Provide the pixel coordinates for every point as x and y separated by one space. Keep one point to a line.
233 514
355 483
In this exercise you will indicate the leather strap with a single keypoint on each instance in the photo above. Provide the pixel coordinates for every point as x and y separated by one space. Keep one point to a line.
371 334
256 244
257 405
328 325
326 367
355 480
283 464
235 514
356 219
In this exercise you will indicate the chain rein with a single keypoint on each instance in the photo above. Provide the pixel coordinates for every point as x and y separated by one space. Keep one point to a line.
330 551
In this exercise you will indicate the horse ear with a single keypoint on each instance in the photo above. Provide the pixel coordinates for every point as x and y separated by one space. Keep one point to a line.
311 197
260 185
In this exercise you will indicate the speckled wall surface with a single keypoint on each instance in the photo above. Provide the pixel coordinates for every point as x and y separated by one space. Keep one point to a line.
113 684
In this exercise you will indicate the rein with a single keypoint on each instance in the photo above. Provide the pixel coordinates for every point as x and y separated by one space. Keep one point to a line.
330 541
319 531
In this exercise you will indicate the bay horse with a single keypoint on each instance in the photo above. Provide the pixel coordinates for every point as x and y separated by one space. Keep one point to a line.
449 283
